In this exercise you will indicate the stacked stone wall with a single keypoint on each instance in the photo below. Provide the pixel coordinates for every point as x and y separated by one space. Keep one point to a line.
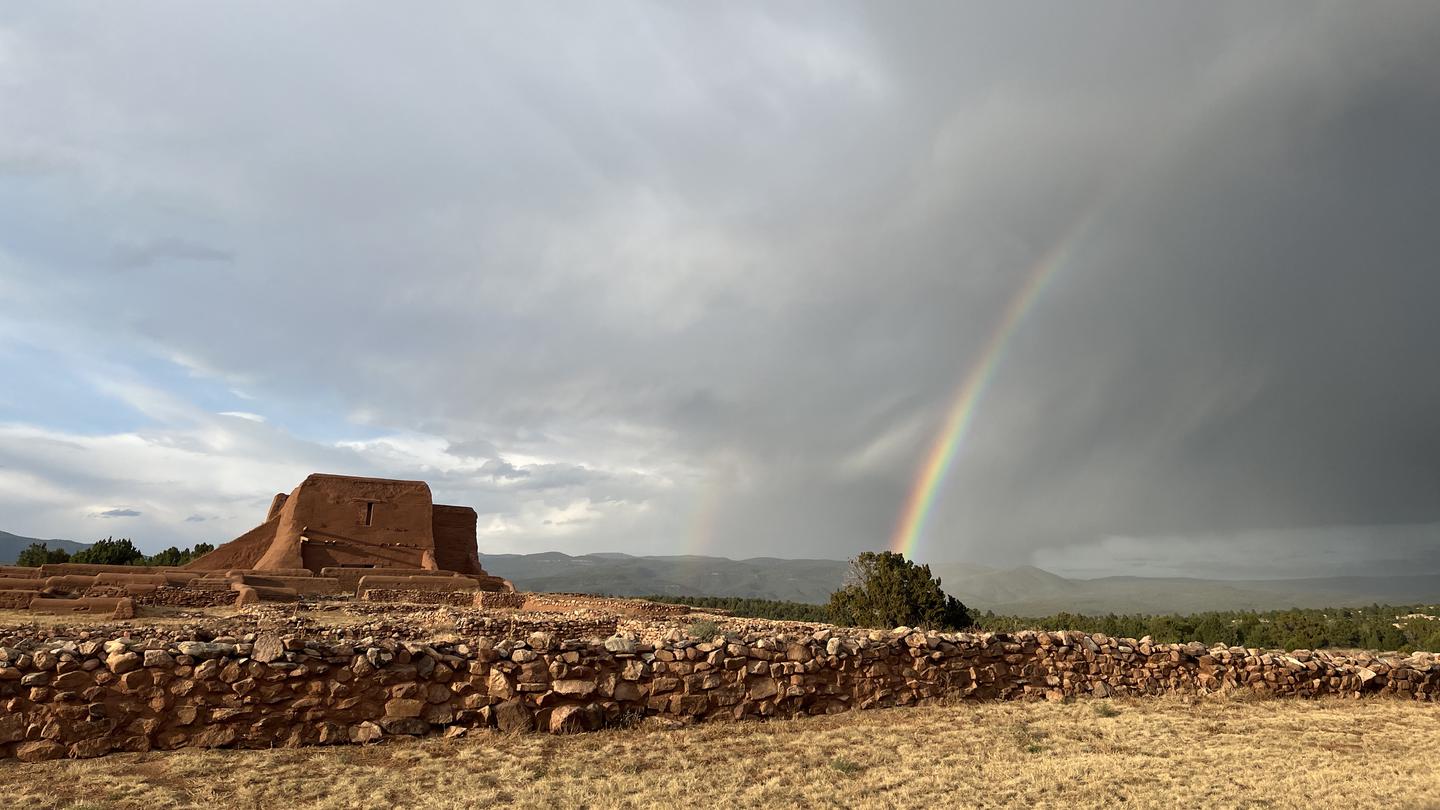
169 596
579 625
106 591
499 600
166 595
638 608
451 598
89 696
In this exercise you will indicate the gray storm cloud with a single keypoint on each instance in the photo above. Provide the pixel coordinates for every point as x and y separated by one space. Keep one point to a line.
653 278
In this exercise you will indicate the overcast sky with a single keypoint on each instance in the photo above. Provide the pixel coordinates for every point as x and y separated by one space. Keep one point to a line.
704 278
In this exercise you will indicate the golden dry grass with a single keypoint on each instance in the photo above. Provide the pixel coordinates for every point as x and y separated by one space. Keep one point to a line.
1141 753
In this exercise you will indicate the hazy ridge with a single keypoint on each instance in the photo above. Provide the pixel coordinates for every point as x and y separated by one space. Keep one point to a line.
12 544
1025 590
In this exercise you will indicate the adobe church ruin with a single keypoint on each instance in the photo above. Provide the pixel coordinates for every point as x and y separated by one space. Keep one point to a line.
375 539
334 521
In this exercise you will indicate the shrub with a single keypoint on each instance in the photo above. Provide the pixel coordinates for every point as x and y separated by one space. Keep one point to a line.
109 552
705 630
37 554
886 590
178 556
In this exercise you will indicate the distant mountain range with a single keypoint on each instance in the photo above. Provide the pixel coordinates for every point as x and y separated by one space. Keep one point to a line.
624 575
1024 591
1030 591
12 544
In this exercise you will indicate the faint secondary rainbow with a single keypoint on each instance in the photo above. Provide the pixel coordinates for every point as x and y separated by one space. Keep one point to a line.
972 388
703 519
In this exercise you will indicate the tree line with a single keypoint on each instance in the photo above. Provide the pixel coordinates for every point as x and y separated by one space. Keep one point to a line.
111 552
885 590
1402 628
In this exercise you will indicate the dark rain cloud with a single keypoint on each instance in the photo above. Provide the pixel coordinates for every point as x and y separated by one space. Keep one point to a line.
708 278
146 253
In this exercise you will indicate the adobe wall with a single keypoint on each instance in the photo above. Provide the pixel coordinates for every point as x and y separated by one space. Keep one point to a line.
276 504
244 551
417 583
85 698
15 599
456 547
349 578
237 588
331 511
337 521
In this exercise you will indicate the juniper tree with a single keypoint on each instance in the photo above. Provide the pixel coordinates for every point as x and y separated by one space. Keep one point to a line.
886 590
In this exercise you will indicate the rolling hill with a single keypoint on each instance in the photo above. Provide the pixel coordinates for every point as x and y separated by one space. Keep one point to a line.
1030 591
624 575
12 544
1025 590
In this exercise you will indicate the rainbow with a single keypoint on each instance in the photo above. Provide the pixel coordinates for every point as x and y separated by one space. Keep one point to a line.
961 415
703 519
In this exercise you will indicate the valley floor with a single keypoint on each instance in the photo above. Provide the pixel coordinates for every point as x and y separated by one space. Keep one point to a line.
1089 753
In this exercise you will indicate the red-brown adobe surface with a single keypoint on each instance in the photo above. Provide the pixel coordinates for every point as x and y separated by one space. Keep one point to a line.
336 520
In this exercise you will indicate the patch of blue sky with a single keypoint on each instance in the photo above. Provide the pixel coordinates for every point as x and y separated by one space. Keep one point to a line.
319 417
41 388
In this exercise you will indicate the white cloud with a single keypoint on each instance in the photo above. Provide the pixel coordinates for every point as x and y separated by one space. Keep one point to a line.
250 417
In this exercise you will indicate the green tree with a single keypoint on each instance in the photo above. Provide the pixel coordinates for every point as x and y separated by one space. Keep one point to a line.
174 556
109 552
170 556
1212 628
886 590
37 554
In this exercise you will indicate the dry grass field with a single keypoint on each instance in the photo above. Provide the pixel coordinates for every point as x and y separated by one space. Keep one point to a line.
1140 753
